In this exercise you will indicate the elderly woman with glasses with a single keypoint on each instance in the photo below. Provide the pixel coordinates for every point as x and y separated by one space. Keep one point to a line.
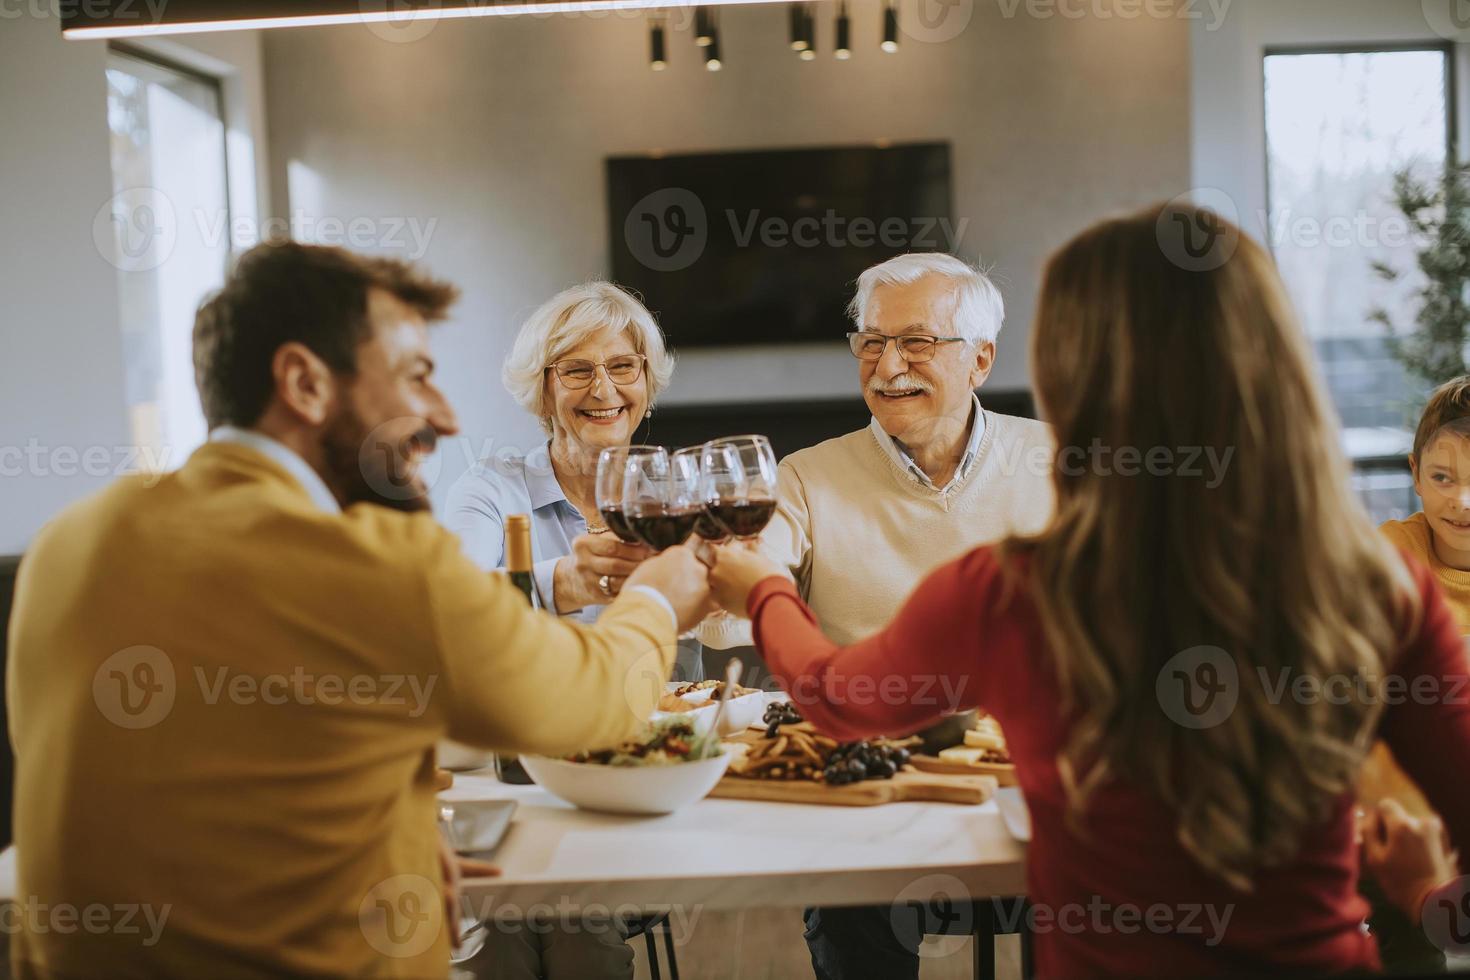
589 365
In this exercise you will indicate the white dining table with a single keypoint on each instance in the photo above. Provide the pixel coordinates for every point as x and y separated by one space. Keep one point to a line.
731 854
722 854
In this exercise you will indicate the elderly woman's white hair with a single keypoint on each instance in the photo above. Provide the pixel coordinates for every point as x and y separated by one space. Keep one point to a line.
979 310
567 319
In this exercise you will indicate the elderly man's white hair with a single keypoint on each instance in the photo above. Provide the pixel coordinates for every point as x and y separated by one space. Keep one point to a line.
567 319
979 310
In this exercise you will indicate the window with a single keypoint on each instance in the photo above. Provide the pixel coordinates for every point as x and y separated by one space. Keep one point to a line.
1339 125
169 237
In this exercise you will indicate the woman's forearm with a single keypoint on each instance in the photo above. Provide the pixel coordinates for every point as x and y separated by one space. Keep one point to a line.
562 593
922 666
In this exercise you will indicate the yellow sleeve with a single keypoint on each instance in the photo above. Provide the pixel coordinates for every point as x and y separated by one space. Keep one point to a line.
523 680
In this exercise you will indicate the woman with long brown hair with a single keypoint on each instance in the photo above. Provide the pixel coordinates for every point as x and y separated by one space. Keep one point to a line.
1191 661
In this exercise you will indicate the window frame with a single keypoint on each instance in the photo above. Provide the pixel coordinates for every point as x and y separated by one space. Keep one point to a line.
1366 465
216 86
151 68
1451 108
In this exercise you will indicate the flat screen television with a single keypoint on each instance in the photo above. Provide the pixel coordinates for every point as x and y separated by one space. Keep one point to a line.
764 247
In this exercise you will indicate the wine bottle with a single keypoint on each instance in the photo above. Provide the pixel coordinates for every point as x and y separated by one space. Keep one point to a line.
518 567
518 555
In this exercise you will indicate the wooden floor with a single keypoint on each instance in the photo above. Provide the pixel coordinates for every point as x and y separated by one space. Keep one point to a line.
767 944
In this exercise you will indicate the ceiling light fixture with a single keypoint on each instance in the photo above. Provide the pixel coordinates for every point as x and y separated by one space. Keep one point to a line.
843 50
704 27
890 27
798 27
128 18
656 54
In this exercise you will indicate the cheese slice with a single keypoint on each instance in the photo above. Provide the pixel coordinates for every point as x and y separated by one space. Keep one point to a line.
984 740
963 756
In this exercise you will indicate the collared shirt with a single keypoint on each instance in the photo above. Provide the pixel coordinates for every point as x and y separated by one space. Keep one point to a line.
285 457
899 454
509 484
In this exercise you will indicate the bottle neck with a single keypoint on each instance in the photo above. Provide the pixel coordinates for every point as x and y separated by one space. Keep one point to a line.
518 556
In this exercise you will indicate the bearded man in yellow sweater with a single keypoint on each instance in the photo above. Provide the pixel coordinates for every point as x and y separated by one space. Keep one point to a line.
864 517
225 684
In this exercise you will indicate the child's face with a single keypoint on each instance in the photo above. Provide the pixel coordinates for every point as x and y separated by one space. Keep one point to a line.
1442 479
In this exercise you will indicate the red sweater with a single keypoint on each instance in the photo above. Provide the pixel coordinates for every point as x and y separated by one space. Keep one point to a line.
958 644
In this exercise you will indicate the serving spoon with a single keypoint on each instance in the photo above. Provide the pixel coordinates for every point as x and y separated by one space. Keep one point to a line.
733 670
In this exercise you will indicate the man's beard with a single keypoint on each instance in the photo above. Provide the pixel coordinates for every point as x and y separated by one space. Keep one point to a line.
363 467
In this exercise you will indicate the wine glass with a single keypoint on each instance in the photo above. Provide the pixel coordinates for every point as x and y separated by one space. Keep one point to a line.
612 471
739 476
705 526
661 498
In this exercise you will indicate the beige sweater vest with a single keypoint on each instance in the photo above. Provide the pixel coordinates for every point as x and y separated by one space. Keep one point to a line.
858 533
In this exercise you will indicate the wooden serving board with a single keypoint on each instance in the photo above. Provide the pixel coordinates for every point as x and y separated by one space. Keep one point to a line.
908 784
1003 773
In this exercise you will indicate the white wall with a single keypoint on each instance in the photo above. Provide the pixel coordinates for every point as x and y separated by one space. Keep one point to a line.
1227 85
497 129
61 378
61 374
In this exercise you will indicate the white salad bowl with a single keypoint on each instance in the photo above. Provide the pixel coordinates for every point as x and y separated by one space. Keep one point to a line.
740 713
627 789
702 720
458 757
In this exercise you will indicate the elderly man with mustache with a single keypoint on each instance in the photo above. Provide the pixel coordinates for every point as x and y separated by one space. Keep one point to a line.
863 517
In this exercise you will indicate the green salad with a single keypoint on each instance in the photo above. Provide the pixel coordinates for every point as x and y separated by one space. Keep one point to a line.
665 742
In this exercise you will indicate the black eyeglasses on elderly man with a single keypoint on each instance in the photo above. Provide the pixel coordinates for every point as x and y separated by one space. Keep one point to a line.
912 347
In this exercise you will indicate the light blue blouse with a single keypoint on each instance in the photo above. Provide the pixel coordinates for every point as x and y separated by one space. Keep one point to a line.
510 484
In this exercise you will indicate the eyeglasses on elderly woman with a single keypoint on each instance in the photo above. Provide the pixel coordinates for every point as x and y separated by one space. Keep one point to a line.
576 373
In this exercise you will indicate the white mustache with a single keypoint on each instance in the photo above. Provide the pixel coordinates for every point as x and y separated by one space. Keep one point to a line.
899 385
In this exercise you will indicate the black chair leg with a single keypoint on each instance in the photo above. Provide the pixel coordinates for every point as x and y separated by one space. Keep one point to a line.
984 933
652 952
1028 951
1005 917
669 949
645 925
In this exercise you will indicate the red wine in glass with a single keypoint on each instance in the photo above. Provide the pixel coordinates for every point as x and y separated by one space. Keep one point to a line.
664 527
708 528
618 524
744 518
